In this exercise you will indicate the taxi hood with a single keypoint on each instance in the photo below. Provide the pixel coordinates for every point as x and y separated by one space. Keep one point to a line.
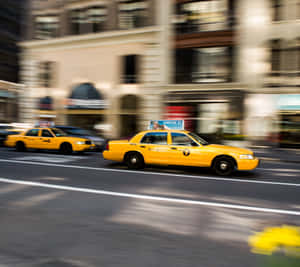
228 149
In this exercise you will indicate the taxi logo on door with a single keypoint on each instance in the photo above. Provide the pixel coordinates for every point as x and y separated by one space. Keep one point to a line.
186 152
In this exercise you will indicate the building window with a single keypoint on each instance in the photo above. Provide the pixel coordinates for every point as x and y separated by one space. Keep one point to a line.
285 57
133 14
46 27
130 70
277 10
46 74
275 56
198 16
204 65
87 20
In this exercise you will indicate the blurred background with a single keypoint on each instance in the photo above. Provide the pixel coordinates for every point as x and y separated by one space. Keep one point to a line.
230 69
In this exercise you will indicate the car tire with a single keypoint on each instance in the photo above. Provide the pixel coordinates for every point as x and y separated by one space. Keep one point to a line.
223 166
20 146
134 161
66 149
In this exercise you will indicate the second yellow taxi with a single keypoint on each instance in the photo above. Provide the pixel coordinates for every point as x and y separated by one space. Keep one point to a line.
179 147
49 139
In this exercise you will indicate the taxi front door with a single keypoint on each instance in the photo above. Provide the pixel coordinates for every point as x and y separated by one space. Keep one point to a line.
46 140
184 151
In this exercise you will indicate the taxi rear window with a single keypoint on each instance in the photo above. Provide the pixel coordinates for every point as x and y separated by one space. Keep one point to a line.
155 138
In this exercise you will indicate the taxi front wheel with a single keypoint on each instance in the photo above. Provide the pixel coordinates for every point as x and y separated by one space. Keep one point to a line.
223 166
65 148
134 161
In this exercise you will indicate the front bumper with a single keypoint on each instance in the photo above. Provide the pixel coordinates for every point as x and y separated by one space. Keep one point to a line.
80 148
248 164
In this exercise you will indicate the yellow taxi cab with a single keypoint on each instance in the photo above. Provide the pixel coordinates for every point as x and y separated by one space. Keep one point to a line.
285 238
178 147
49 139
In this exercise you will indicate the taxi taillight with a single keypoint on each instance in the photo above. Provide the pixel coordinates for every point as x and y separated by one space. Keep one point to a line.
107 146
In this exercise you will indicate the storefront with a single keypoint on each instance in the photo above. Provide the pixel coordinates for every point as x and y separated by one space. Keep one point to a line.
289 119
209 113
46 114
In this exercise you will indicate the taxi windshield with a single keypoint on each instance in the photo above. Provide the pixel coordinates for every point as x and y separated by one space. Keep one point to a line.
58 132
198 139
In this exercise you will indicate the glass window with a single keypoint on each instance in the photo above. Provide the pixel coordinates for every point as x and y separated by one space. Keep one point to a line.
130 64
277 10
133 13
179 139
46 26
159 138
46 73
275 55
58 132
197 16
204 65
46 133
198 139
90 19
33 132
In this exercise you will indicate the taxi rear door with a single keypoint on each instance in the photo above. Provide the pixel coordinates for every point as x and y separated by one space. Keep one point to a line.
154 147
31 138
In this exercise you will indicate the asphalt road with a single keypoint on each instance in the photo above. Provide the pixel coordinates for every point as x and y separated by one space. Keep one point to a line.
81 210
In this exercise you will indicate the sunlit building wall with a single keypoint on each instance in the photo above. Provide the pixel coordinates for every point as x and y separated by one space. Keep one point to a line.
86 63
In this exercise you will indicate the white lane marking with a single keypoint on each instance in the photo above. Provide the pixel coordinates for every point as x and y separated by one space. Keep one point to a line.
182 176
49 159
153 198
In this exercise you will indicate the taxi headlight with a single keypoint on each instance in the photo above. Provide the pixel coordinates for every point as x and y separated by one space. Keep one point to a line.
80 142
246 156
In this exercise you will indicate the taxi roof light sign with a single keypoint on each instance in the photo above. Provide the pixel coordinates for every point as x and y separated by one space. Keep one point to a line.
166 125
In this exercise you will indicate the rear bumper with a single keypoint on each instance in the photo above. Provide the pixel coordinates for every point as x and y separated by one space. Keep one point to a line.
248 164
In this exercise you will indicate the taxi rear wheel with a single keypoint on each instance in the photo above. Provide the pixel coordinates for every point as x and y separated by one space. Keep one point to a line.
66 148
223 166
20 146
134 161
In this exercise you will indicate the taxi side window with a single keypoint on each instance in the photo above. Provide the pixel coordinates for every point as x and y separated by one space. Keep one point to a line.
46 133
33 132
155 138
179 139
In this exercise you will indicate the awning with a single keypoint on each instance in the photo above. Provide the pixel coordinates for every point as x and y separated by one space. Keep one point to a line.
86 97
46 103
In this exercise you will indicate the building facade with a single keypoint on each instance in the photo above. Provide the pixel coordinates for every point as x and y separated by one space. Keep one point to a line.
11 25
86 63
222 65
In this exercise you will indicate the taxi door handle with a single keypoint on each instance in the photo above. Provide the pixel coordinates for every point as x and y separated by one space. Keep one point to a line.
143 146
173 148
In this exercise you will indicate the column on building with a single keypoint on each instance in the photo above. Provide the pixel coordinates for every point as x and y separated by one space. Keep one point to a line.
29 70
157 65
253 36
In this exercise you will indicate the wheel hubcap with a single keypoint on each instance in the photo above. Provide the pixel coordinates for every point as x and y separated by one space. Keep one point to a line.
133 160
223 166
